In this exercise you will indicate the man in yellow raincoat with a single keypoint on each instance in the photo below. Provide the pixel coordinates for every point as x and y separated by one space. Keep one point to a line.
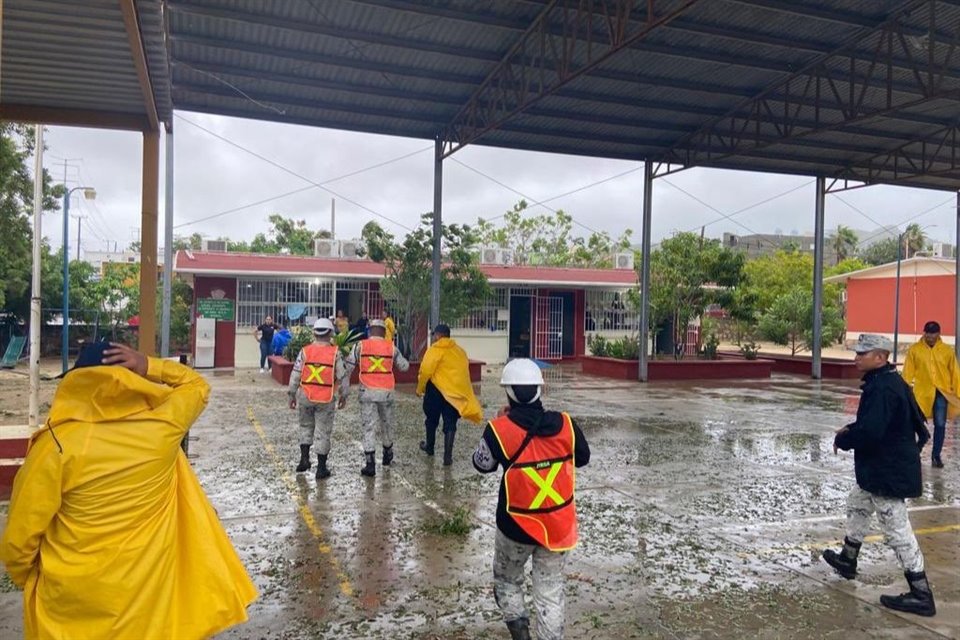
444 384
932 370
109 532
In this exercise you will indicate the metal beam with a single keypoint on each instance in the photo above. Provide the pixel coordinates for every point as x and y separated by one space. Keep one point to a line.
540 63
148 243
27 113
774 115
167 247
818 276
437 233
132 24
645 270
935 154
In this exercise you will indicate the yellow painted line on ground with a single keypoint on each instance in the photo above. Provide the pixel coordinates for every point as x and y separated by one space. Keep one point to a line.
305 514
928 531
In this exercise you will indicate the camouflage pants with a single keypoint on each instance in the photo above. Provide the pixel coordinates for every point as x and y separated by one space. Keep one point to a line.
310 415
373 415
894 522
509 560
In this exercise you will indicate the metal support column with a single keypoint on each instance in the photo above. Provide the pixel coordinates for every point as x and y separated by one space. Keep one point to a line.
65 288
148 242
645 269
34 412
818 276
437 232
956 284
167 248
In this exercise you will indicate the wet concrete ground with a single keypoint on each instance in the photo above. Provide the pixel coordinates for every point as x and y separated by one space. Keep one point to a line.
703 514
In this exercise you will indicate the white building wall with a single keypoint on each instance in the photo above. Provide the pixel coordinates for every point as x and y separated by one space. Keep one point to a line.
486 346
246 351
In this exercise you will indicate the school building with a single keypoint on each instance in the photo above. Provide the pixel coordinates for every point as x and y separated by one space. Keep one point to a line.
927 292
532 311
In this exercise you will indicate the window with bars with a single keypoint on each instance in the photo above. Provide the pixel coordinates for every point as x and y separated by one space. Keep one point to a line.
609 311
260 297
493 316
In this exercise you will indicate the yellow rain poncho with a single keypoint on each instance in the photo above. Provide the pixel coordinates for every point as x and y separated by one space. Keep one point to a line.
446 365
109 532
931 369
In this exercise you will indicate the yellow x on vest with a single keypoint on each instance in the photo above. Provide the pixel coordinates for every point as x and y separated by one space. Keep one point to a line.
376 365
545 485
316 372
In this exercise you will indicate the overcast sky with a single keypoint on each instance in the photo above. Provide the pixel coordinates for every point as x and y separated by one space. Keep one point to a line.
211 176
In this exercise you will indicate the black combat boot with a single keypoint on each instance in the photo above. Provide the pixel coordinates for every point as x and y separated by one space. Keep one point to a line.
322 471
845 562
937 462
920 599
387 455
519 629
448 448
304 464
427 445
370 468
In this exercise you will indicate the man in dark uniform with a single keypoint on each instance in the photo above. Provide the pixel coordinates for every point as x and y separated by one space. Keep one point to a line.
886 438
536 513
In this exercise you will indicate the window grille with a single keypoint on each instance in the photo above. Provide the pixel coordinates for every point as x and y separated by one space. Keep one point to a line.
609 311
260 297
493 315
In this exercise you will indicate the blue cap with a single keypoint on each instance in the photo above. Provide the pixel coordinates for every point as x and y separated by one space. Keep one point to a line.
90 355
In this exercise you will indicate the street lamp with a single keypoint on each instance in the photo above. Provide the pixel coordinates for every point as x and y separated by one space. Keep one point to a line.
896 299
89 194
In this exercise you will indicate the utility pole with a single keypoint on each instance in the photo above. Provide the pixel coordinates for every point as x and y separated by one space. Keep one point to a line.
79 224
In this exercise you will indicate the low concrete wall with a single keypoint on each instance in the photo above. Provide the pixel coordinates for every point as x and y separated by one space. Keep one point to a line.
246 351
487 346
678 369
830 368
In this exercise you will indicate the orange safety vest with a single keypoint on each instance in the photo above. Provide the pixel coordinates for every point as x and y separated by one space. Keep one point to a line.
539 482
376 364
318 373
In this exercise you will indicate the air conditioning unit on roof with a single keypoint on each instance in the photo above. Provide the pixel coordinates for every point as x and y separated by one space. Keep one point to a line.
496 255
623 261
215 245
349 249
325 248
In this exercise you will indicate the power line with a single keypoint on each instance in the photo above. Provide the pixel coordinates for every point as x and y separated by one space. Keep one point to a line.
896 225
319 185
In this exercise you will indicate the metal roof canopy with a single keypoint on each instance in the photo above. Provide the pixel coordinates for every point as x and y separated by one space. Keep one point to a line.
859 90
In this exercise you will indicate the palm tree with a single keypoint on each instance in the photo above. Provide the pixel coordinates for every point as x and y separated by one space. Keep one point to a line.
844 242
913 239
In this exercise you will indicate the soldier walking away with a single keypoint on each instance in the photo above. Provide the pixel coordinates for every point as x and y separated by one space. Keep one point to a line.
109 533
932 370
886 439
539 451
315 381
444 383
377 358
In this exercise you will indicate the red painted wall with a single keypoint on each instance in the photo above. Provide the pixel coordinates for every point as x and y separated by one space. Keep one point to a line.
226 330
870 303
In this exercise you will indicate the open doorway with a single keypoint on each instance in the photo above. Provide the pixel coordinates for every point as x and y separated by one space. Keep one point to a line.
520 310
350 300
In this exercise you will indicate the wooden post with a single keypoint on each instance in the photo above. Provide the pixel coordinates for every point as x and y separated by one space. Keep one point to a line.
148 242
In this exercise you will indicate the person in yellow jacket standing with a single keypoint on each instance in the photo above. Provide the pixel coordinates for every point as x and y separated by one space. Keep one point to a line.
377 359
109 532
317 377
932 370
444 384
539 451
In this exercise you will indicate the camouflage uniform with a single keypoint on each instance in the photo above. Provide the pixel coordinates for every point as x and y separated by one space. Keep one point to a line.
310 414
894 522
376 405
509 559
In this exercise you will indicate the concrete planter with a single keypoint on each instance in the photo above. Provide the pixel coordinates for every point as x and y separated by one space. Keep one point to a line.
693 369
830 368
281 368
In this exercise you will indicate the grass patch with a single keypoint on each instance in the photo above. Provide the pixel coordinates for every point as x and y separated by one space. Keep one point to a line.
456 525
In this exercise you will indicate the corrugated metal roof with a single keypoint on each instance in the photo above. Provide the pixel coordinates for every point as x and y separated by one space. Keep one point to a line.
408 67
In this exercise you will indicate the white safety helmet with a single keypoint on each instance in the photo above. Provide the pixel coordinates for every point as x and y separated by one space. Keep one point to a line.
521 372
322 326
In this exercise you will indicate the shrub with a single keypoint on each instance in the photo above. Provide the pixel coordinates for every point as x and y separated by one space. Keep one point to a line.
750 350
710 347
626 348
599 346
302 336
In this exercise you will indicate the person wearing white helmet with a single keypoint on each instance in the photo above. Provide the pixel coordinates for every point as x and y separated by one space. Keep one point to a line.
315 390
377 358
539 451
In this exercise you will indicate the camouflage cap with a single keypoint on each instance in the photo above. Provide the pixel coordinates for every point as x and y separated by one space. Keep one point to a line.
872 342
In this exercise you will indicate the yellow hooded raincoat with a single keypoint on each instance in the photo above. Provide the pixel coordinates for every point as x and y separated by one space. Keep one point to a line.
931 369
446 365
109 532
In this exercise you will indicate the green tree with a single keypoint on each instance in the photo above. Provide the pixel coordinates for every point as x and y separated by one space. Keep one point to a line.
16 208
789 321
293 235
769 277
880 252
914 240
844 242
688 273
409 263
262 244
118 293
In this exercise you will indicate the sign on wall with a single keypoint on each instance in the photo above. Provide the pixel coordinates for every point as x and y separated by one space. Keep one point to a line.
216 308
